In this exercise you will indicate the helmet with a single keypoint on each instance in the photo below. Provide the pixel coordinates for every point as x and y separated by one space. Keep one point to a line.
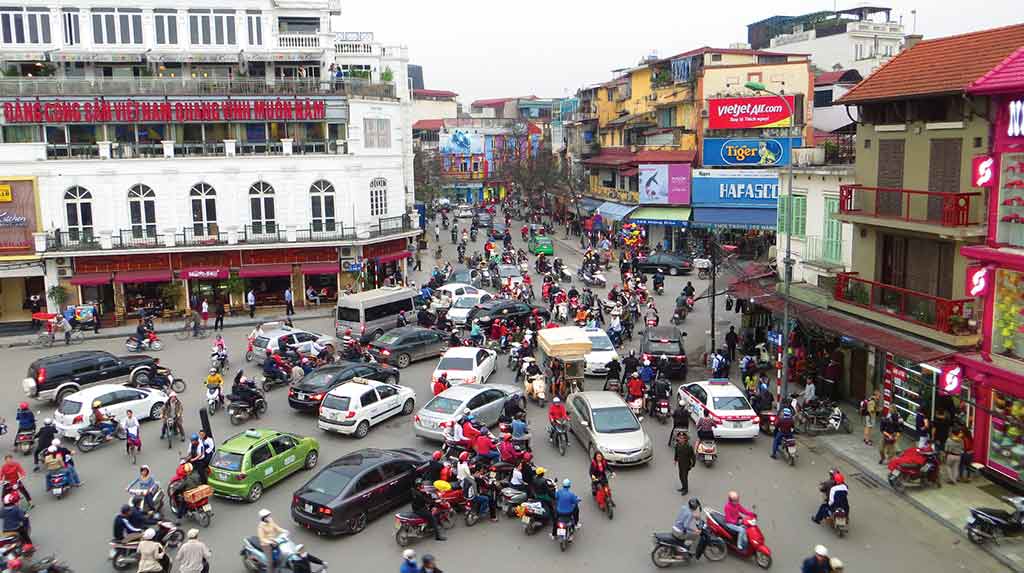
14 564
555 400
195 437
471 417
96 403
836 564
149 534
786 412
348 332
821 550
694 503
408 555
187 467
464 456
437 455
9 499
55 442
663 357
540 471
48 422
428 558
264 513
734 496
566 483
647 362
52 449
23 406
212 370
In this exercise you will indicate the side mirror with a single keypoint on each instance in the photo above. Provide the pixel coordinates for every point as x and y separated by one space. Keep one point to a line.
585 423
684 334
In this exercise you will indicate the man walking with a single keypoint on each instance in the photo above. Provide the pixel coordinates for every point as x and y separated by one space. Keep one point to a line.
218 310
289 303
685 459
250 299
891 428
731 340
193 555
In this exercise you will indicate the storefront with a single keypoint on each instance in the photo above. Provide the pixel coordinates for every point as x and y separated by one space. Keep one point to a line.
210 283
267 282
95 289
320 282
21 271
665 225
148 291
383 260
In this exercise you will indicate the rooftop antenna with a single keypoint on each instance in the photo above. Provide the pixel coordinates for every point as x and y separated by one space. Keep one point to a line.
913 29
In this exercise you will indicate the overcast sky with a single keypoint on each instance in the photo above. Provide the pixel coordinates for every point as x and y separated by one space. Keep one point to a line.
552 47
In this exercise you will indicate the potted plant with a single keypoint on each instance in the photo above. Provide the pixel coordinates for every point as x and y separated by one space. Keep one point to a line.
387 75
170 294
58 294
236 289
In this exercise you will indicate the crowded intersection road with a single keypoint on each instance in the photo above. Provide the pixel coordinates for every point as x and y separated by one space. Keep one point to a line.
886 533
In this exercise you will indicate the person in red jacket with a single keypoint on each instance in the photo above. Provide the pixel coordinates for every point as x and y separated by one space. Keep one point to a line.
556 412
484 447
508 451
441 384
495 330
634 387
469 431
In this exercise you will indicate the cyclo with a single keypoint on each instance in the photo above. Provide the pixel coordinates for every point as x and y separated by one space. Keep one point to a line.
562 357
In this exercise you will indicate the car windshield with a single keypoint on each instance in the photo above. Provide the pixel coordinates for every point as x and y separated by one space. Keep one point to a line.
261 342
229 461
601 342
731 403
615 420
332 402
388 338
68 406
329 482
658 348
455 363
442 405
508 271
318 380
464 302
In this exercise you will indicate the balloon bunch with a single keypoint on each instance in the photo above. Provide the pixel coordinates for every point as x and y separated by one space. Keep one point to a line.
631 235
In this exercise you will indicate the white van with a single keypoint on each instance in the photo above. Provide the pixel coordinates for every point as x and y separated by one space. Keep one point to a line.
374 312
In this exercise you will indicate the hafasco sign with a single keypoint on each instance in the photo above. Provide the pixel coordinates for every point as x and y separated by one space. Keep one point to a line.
749 112
129 110
735 188
982 171
722 152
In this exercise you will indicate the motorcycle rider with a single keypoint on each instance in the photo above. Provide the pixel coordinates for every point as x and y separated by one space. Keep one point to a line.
129 524
152 555
784 426
817 563
507 450
173 410
102 422
147 483
634 388
15 520
614 372
441 384
243 390
422 506
598 472
216 381
658 280
567 506
267 532
58 458
483 446
660 390
44 437
685 526
26 419
556 412
838 498
734 514
631 363
141 333
688 291
131 431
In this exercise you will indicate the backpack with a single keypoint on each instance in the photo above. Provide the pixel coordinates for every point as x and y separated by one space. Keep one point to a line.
864 407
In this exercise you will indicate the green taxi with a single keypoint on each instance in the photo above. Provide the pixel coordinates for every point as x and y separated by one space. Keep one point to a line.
541 244
248 463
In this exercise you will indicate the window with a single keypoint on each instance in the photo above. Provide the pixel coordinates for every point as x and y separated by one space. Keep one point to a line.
78 206
259 455
282 444
369 481
72 33
799 215
204 209
123 26
201 24
368 397
667 117
377 133
378 196
716 57
166 28
823 98
255 25
142 208
321 202
223 29
25 26
261 208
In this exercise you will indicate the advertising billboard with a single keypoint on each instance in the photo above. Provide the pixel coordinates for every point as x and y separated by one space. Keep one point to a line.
750 152
736 188
461 142
17 216
665 184
749 112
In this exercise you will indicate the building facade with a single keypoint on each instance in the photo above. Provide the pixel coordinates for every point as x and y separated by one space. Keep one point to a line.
474 153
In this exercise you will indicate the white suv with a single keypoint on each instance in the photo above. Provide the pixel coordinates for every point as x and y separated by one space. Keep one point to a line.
74 411
354 406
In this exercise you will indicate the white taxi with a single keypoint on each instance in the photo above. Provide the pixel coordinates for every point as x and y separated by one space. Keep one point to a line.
726 404
466 365
354 406
602 351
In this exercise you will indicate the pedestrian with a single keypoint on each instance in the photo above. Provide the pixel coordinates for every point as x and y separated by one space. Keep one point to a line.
419 265
208 448
95 319
685 459
731 340
868 412
195 322
250 299
967 458
409 562
289 303
953 452
205 311
891 428
65 326
429 565
680 423
218 311
35 306
941 426
152 556
922 425
193 555
817 563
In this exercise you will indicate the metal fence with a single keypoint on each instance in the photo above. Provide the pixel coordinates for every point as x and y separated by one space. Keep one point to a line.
32 87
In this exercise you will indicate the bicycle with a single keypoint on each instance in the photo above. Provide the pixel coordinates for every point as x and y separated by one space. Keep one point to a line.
186 332
133 444
43 340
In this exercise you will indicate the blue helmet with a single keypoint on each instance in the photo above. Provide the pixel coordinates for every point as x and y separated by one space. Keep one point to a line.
195 437
786 412
566 483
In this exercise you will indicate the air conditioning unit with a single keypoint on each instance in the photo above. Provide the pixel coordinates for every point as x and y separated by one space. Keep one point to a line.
64 272
704 113
62 261
653 97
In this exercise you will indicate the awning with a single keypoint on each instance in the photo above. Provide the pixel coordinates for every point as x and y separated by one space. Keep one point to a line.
393 257
590 204
142 276
320 268
258 271
631 172
671 216
734 218
613 211
204 273
90 279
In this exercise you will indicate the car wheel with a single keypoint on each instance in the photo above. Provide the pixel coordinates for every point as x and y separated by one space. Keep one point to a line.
408 406
404 360
311 459
362 429
376 334
65 393
673 271
255 493
157 411
358 523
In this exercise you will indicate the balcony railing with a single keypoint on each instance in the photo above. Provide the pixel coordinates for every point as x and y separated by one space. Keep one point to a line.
32 87
72 240
823 250
929 207
262 233
392 225
949 316
72 150
137 238
198 149
201 235
136 150
326 232
298 41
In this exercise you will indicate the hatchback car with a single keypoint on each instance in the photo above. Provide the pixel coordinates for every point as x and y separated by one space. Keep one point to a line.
74 411
245 464
459 311
541 244
357 487
505 308
668 263
360 403
464 212
603 422
307 393
497 231
462 275
466 365
456 290
402 346
665 341
275 336
725 403
484 402
510 274
602 351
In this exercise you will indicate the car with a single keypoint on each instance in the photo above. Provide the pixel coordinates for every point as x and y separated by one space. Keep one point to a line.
75 410
274 336
602 351
466 365
505 308
485 403
667 341
483 219
464 212
463 275
53 378
459 311
354 406
723 401
402 346
497 231
541 244
670 264
246 464
510 274
350 491
454 289
308 392
603 422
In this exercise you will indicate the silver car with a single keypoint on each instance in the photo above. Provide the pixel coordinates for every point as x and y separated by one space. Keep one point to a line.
275 336
485 402
603 422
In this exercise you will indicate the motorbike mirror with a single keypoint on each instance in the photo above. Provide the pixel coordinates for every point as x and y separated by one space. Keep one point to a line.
640 418
584 423
682 334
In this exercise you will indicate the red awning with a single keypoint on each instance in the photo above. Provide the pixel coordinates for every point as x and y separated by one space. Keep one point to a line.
91 279
320 268
254 271
630 172
393 257
142 276
204 273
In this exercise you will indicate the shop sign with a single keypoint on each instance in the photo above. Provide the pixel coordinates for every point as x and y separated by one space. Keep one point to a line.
12 220
982 171
6 196
1015 118
979 279
895 377
665 184
735 188
17 216
461 142
131 110
951 380
749 112
751 152
204 274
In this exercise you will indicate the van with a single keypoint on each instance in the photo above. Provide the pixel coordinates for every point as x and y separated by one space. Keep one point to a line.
374 311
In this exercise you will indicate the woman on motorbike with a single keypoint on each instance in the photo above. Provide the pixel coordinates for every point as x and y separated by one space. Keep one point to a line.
598 472
145 483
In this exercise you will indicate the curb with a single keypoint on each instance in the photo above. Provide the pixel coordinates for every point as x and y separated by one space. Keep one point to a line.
924 508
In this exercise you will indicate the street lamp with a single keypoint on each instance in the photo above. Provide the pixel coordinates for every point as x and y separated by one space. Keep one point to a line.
787 277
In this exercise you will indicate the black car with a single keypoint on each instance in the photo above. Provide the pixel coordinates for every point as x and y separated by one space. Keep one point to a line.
309 391
669 264
464 275
504 308
498 231
668 341
401 346
55 377
344 496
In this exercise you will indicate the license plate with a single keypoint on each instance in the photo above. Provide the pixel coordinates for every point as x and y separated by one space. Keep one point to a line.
58 491
309 508
222 475
300 396
708 457
207 508
561 531
737 424
792 450
526 519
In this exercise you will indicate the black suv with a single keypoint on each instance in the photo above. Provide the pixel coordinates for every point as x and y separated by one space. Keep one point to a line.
667 340
401 346
504 308
307 393
55 377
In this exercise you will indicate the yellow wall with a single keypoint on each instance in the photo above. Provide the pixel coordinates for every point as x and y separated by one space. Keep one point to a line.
791 78
12 295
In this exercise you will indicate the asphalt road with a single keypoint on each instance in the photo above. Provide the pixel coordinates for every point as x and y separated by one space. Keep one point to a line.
886 533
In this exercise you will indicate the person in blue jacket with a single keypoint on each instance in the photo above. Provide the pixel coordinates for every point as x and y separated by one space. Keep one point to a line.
567 505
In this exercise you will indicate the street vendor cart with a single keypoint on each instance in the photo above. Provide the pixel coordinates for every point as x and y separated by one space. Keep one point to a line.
562 358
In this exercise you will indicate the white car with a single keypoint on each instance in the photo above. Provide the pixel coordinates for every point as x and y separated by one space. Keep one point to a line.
726 403
459 311
272 335
75 411
510 274
464 212
354 406
466 365
455 290
602 352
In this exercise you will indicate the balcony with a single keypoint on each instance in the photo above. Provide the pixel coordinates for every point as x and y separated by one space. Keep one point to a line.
326 232
307 41
256 233
75 239
136 238
824 253
615 194
955 215
200 236
40 87
950 321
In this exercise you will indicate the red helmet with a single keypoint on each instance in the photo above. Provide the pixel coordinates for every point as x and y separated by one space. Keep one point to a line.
437 455
348 332
14 564
23 406
527 456
464 456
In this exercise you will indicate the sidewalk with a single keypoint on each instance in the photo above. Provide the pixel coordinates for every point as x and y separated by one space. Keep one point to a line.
949 504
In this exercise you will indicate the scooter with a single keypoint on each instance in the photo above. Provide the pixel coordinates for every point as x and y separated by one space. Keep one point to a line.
91 438
410 526
563 275
151 342
126 555
789 452
636 406
197 504
137 499
916 467
24 440
287 555
218 361
603 497
239 411
670 551
662 410
534 389
560 435
707 452
565 532
213 398
755 548
991 524
533 515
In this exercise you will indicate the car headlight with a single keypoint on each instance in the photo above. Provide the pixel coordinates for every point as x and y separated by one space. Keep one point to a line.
647 443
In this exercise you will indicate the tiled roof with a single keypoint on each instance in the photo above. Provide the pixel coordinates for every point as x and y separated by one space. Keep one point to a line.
624 158
433 93
940 66
838 77
429 124
493 102
739 51
1005 77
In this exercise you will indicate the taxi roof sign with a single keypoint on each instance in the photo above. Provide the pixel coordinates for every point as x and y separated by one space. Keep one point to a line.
719 381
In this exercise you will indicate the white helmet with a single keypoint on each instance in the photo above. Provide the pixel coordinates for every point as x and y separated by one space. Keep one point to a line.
264 513
52 449
408 555
55 442
48 422
555 400
173 394
149 534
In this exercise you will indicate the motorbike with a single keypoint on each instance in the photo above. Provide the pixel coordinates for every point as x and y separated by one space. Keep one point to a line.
161 379
562 312
827 417
563 275
707 452
560 435
756 546
151 342
659 288
91 438
662 410
239 411
840 521
533 515
603 497
991 524
137 499
197 504
916 467
472 235
636 406
58 483
24 441
565 532
534 389
596 279
409 525
213 398
703 267
287 555
514 362
218 361
279 379
682 311
788 448
509 500
669 551
125 555
459 503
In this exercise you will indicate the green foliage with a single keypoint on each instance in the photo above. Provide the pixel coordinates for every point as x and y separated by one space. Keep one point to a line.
58 294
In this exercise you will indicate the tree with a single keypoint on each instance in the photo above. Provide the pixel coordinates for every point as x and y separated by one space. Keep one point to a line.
429 177
534 175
